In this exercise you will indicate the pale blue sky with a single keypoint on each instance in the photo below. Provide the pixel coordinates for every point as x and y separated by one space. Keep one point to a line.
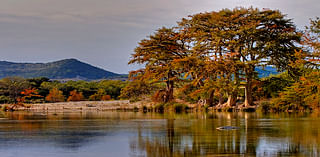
105 32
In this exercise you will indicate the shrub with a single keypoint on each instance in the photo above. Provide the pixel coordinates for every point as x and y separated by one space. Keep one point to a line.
144 108
158 96
100 95
179 107
135 109
55 95
159 107
265 106
75 96
5 99
106 97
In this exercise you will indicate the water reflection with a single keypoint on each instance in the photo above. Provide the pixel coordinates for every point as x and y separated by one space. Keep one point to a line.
139 134
261 135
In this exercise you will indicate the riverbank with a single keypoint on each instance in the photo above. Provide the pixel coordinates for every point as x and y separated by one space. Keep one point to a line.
124 105
80 105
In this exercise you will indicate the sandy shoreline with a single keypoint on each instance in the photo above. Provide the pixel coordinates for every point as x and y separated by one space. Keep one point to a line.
81 105
124 105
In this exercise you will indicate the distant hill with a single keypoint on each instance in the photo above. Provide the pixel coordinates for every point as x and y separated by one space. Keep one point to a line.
63 69
266 71
72 69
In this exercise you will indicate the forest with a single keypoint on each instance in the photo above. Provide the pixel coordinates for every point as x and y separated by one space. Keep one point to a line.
211 57
16 90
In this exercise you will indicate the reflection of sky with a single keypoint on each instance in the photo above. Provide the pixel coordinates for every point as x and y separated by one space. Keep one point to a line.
107 146
187 142
272 146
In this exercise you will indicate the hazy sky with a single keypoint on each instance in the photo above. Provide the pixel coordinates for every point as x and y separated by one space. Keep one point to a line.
105 32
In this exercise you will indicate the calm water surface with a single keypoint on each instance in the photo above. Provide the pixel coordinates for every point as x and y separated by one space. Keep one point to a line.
120 134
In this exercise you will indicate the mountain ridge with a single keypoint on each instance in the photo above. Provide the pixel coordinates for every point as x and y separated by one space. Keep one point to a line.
61 69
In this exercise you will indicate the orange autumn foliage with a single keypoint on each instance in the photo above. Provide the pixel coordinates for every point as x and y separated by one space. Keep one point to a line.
28 93
55 95
75 96
106 97
100 95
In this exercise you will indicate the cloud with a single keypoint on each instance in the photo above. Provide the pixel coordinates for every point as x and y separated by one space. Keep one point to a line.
105 32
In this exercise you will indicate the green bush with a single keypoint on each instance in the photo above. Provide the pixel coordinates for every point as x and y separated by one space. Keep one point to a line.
134 99
265 107
5 99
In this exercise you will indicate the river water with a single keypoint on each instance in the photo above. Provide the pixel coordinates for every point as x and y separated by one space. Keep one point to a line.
121 134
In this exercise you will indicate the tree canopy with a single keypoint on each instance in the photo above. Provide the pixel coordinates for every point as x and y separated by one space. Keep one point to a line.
218 52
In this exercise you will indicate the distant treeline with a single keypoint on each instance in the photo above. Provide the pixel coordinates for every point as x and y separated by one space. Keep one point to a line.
39 90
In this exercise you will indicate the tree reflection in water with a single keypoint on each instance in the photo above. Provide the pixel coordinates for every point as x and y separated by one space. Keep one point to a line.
170 135
262 135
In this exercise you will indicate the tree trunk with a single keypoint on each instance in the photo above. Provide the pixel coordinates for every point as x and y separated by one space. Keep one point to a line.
211 96
248 93
248 90
232 99
169 91
220 99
